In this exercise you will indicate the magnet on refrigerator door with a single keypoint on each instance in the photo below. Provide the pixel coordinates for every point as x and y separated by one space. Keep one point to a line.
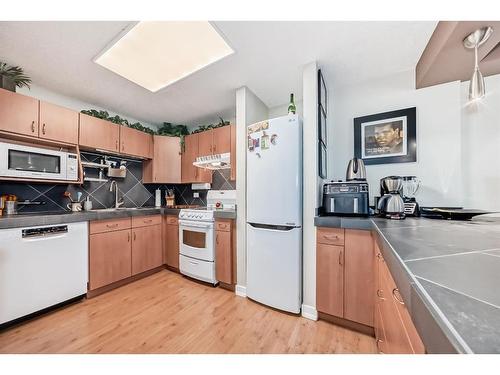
250 143
264 141
274 138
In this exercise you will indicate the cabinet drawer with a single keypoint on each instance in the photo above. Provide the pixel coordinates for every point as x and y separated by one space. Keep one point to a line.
143 221
330 236
101 226
172 220
223 225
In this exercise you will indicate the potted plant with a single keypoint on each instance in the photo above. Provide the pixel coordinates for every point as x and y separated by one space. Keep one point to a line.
12 77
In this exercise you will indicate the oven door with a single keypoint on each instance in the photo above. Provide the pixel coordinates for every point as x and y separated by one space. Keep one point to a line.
31 162
197 240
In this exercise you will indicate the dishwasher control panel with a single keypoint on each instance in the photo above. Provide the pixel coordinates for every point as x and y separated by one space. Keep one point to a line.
46 231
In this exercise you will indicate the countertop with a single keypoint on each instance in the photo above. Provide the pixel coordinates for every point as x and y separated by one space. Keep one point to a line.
54 218
448 273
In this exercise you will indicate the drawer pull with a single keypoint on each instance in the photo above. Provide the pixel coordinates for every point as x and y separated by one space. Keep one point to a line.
330 237
43 129
148 221
32 126
223 226
112 225
397 296
380 293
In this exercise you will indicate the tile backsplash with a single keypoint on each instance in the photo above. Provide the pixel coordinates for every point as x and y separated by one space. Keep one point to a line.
131 189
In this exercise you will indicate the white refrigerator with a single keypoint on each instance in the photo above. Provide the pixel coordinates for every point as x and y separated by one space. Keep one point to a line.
274 213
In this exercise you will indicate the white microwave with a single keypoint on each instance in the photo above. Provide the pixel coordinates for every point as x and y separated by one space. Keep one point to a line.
22 161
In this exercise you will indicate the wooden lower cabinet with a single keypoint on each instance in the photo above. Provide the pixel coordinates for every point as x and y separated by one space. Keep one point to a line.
146 248
109 258
224 251
344 274
171 241
359 286
330 279
394 329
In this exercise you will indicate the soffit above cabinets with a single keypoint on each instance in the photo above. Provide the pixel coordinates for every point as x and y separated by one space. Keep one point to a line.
445 59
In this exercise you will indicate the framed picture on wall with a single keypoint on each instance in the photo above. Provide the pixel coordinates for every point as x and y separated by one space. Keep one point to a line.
389 137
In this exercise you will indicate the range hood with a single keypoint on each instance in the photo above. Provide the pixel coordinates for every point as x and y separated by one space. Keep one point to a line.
213 162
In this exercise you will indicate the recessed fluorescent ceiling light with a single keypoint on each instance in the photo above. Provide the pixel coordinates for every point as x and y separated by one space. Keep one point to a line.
157 54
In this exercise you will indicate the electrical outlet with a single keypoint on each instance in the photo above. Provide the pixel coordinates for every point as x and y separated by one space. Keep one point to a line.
196 195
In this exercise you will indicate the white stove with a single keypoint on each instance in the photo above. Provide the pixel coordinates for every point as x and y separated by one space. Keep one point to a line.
197 238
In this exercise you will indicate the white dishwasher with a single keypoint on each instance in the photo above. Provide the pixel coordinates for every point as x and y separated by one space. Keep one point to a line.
41 267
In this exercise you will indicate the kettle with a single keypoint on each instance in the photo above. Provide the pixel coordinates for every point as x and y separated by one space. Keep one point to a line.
356 170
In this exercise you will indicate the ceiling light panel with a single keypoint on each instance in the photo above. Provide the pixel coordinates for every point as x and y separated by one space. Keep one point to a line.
157 54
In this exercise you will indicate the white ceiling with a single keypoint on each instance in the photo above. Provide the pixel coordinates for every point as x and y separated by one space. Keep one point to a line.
268 59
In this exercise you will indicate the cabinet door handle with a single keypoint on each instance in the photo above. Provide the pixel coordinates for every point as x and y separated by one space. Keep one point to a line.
112 225
397 296
128 237
217 238
380 293
134 236
340 258
222 226
215 148
378 341
32 126
43 128
116 145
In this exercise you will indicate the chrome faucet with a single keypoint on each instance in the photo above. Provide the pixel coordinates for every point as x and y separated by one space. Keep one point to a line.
117 202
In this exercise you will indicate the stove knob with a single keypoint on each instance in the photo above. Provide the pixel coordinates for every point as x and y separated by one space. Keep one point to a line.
218 205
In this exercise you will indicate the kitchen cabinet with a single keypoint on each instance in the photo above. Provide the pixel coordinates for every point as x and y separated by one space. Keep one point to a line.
232 176
394 330
58 123
359 284
109 257
330 279
344 274
165 167
147 252
224 251
221 140
190 173
205 145
171 241
136 143
99 134
18 113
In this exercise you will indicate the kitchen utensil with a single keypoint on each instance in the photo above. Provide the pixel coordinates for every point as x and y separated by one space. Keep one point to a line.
74 206
67 194
356 170
157 198
11 207
79 196
87 205
451 213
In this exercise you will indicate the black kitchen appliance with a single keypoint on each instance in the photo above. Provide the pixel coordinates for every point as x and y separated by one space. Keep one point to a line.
346 198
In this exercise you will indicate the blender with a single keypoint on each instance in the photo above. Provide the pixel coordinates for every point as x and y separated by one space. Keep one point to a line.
411 184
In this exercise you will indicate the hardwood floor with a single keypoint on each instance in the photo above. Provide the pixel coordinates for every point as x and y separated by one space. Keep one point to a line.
167 313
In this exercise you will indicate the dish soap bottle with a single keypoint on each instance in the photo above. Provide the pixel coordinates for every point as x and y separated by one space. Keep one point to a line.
291 107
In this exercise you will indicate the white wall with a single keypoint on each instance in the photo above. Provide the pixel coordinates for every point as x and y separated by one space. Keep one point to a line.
481 147
282 110
439 156
310 188
249 109
42 93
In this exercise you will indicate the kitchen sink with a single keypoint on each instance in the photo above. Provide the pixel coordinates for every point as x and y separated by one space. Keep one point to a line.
120 209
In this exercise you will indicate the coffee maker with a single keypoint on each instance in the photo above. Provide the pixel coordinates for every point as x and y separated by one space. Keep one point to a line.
410 188
391 204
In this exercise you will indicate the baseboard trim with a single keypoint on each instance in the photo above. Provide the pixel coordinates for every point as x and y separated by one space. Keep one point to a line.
241 290
309 312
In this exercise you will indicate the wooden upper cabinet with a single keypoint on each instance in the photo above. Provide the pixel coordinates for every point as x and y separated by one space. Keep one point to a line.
359 288
233 153
188 170
99 134
165 167
222 140
58 123
136 143
330 279
205 143
18 113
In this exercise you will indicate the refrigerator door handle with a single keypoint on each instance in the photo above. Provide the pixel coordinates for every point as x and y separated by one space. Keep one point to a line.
273 227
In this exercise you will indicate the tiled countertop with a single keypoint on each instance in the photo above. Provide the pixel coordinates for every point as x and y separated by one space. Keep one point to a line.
448 273
54 218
